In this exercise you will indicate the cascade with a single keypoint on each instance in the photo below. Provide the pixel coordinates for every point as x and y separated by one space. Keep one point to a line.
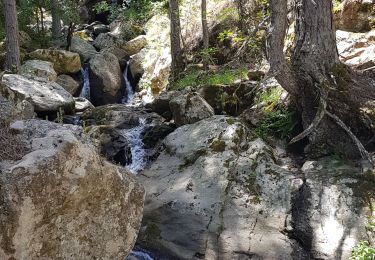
128 92
139 155
85 93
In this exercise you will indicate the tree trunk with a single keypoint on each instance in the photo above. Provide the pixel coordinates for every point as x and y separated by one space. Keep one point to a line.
324 90
41 18
56 22
12 59
205 33
176 50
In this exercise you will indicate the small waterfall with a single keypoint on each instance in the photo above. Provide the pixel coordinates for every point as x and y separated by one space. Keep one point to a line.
139 154
85 93
129 92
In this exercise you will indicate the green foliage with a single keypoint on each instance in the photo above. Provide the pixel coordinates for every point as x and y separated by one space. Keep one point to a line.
336 6
207 54
270 98
194 78
363 251
279 123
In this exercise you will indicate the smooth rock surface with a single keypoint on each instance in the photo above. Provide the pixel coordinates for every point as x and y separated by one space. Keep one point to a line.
44 95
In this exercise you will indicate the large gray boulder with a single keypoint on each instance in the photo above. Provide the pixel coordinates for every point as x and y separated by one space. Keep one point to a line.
62 201
64 62
106 79
85 50
44 95
135 45
39 68
218 192
190 108
215 192
104 40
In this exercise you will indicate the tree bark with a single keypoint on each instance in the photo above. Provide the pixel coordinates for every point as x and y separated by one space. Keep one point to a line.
176 50
56 22
327 93
205 33
12 59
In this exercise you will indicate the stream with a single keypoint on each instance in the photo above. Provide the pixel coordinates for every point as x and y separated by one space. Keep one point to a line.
132 135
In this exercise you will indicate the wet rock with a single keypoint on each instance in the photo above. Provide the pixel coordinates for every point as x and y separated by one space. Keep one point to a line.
63 201
154 134
68 83
64 62
85 50
106 79
112 144
38 68
45 96
189 108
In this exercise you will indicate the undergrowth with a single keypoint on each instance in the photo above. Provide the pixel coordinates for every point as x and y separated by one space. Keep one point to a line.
363 251
195 78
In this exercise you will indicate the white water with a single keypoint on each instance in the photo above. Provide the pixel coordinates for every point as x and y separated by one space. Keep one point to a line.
139 155
140 255
85 93
129 92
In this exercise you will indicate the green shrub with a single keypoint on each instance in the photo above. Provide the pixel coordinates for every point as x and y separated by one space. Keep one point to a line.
279 123
363 251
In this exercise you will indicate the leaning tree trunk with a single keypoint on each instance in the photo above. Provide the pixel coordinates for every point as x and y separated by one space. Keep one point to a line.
56 23
330 96
12 59
176 50
205 33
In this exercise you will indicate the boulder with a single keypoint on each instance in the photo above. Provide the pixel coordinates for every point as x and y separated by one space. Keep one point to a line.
229 99
62 201
120 116
203 198
104 40
64 62
39 68
189 108
11 111
355 15
68 83
85 50
333 208
160 104
135 65
82 104
135 45
106 79
45 96
218 192
112 143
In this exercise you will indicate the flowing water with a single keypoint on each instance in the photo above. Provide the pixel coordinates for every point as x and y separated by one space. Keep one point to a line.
85 92
129 91
139 155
